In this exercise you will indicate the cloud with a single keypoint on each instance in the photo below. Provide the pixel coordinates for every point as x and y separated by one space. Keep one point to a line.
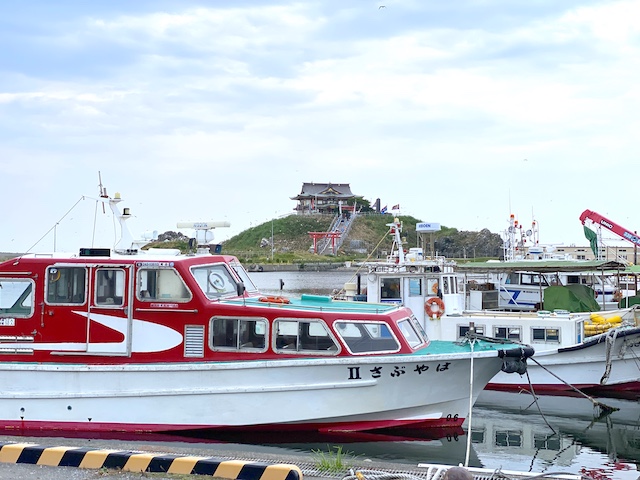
222 111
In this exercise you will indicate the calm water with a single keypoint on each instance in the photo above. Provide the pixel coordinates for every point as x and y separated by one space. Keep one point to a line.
294 284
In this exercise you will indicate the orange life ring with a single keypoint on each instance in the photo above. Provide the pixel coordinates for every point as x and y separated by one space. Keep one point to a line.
274 300
434 307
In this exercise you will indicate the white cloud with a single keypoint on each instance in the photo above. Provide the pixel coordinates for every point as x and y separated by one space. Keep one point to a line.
222 112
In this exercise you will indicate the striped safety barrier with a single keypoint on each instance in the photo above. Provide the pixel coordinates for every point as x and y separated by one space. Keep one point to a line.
144 462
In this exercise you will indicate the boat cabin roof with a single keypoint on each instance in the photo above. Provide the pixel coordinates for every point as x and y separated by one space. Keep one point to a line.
540 266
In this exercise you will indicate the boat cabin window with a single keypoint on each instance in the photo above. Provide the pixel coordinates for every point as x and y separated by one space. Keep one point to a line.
303 336
16 297
545 334
109 286
215 280
449 285
412 335
432 286
164 284
390 290
533 279
464 329
367 337
244 276
66 285
508 333
238 333
415 287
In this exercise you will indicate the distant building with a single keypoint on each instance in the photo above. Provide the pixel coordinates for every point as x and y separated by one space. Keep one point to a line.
607 252
329 198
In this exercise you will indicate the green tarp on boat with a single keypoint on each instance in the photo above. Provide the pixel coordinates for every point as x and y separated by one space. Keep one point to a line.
574 298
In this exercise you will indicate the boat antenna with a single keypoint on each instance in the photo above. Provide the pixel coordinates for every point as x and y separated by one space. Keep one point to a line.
55 225
102 192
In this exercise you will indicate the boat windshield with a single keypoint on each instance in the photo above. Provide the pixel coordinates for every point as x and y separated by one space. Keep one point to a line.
244 276
412 332
215 280
367 337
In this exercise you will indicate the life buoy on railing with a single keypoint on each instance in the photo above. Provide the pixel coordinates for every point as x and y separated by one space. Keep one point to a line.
434 307
274 300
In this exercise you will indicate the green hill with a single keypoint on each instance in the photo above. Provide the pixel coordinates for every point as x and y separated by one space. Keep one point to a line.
368 236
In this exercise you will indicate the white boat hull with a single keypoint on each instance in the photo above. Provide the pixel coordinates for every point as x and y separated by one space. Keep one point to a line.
318 394
606 364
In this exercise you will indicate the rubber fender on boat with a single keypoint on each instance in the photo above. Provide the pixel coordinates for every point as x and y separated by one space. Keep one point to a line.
520 352
514 365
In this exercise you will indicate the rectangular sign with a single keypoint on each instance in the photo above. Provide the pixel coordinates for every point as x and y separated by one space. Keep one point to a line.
427 227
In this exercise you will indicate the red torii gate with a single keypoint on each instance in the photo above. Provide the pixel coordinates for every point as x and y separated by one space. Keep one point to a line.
331 235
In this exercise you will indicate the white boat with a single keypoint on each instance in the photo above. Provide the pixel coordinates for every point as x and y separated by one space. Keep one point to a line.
605 363
120 339
529 268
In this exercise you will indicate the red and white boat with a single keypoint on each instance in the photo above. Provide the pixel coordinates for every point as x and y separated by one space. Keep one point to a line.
154 341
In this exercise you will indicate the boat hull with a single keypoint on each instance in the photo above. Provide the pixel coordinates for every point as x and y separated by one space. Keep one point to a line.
606 365
348 394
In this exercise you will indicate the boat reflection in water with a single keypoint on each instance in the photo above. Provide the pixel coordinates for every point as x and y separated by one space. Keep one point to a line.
568 432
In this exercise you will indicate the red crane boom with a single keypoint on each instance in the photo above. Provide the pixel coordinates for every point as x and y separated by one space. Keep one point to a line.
614 227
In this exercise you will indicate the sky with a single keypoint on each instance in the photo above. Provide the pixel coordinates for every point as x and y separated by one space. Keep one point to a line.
460 112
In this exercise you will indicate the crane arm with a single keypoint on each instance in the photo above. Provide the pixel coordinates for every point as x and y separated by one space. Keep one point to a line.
610 225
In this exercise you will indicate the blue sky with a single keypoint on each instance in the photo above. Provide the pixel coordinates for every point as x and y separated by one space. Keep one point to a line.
460 112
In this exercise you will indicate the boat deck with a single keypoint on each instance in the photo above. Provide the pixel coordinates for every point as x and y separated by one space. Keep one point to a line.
317 302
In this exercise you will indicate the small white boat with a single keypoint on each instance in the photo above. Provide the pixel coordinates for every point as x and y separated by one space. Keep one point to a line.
153 341
567 344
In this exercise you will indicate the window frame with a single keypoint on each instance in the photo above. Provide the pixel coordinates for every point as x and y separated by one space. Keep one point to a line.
7 313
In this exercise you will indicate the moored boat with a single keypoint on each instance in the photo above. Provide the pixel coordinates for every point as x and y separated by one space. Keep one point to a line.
594 351
154 341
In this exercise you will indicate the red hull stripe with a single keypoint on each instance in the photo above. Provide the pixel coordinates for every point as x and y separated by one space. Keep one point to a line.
628 390
145 462
20 427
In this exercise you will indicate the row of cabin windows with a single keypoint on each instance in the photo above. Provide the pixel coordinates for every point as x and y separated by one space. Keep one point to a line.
291 335
68 286
418 287
541 334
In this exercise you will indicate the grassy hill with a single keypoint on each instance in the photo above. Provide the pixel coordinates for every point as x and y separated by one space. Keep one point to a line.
368 236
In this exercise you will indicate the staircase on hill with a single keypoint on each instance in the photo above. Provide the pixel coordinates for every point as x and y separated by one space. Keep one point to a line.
341 223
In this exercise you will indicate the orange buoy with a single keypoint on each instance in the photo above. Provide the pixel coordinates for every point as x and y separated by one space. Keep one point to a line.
274 300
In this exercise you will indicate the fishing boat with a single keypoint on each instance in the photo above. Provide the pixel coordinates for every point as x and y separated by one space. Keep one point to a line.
122 339
596 352
533 274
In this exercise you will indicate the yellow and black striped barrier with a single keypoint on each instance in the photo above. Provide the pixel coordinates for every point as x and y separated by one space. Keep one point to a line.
144 462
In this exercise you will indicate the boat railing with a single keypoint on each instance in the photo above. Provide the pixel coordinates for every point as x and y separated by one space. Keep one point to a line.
321 303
